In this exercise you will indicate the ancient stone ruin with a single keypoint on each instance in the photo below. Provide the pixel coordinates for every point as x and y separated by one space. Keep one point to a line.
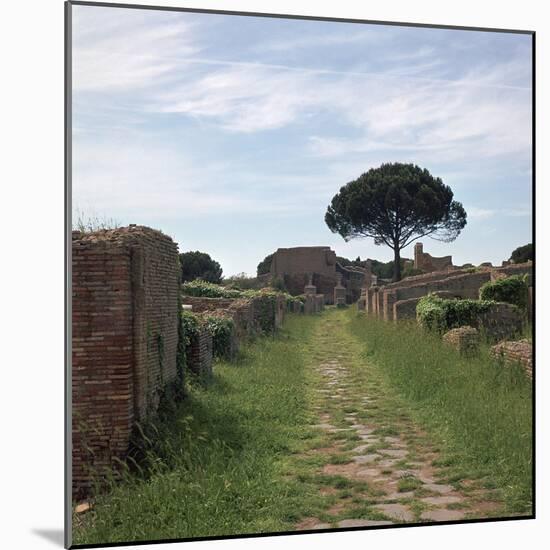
518 352
398 300
316 265
427 263
125 286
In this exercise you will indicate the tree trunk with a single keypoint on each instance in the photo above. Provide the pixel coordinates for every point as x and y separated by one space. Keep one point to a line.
396 264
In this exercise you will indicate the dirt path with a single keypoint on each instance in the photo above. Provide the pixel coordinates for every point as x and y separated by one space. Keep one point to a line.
375 466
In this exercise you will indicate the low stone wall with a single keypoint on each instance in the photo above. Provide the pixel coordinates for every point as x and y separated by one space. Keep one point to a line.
464 339
501 322
406 309
199 354
520 352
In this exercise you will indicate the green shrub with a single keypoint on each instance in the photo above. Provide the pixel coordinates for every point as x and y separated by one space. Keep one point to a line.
242 282
204 289
512 290
278 284
411 272
221 329
190 326
435 313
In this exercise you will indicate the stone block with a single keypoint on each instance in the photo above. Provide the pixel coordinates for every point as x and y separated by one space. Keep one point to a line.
464 339
519 351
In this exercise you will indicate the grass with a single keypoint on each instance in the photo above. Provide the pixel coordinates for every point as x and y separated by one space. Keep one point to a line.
478 412
243 456
219 467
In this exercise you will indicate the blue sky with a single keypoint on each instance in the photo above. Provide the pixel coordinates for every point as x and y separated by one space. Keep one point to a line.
231 134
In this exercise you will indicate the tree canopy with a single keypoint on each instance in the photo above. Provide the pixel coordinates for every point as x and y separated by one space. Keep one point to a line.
199 265
395 205
522 254
265 265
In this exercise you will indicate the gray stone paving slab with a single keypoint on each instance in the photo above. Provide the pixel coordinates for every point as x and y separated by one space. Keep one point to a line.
442 500
399 512
365 459
438 488
442 515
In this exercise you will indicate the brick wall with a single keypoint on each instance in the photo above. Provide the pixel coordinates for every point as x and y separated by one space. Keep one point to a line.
464 339
199 354
520 351
124 324
502 321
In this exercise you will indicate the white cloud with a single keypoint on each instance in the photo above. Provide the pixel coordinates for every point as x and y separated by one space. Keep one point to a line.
121 50
476 213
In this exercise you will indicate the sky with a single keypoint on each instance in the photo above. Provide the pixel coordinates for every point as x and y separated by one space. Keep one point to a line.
231 134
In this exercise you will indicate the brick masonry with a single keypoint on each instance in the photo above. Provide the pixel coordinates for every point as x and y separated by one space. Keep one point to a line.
464 339
520 351
124 323
501 322
199 354
395 300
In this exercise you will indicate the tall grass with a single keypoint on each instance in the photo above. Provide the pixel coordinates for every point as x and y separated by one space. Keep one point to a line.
480 411
89 222
216 469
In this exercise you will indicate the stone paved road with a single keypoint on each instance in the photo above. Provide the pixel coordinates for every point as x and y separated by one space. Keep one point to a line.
373 443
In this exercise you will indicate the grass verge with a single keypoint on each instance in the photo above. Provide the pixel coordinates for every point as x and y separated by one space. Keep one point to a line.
218 467
479 412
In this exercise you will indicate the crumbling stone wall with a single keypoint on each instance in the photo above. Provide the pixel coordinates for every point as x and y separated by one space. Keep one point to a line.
124 338
520 351
501 322
426 262
406 309
464 339
296 265
199 354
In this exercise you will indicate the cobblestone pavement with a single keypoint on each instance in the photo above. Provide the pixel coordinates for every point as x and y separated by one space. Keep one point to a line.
370 440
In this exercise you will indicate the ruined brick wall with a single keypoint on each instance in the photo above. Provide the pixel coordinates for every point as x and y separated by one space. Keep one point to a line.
199 354
464 339
520 351
406 309
124 322
466 285
102 357
295 265
242 313
501 322
426 262
303 259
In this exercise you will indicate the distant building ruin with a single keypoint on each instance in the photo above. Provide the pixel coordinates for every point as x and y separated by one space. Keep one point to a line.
316 265
427 263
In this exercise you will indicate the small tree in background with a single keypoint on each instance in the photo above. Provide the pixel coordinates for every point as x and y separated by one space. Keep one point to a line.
522 254
199 265
395 205
265 265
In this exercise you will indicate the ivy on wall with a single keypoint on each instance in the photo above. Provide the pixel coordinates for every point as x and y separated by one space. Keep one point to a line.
512 290
435 313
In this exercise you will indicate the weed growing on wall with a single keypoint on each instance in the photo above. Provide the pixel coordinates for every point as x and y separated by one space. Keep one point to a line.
221 329
512 290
